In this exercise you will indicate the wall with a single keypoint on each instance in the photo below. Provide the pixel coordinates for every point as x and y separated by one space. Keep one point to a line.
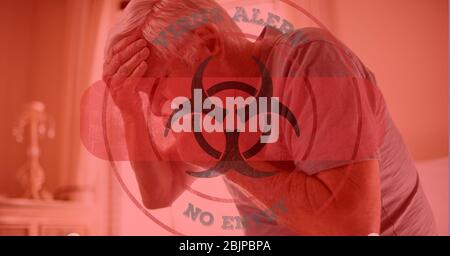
31 46
405 43
47 50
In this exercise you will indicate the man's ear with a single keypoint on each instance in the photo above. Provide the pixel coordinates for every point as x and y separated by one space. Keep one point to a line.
209 37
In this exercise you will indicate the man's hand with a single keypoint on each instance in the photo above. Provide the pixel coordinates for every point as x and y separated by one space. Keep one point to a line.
160 182
125 65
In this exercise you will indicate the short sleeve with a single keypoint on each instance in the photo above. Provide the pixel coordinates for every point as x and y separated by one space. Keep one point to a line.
337 105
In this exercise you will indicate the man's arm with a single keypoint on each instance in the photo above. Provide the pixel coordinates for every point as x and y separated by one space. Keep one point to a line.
160 182
340 201
321 199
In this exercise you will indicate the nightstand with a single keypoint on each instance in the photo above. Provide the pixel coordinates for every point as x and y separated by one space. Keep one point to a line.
22 217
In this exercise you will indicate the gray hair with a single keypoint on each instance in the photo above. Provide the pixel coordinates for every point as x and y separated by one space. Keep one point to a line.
160 22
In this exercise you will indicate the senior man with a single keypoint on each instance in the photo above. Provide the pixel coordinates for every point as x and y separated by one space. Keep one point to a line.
348 173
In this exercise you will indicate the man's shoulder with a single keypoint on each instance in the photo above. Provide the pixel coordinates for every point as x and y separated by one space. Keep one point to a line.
319 51
300 37
310 34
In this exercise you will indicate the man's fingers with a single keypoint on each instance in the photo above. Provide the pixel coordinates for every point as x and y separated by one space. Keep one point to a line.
123 56
117 47
134 68
128 68
128 52
140 70
123 43
129 83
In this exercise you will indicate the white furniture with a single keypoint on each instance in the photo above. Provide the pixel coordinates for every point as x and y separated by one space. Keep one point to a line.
21 217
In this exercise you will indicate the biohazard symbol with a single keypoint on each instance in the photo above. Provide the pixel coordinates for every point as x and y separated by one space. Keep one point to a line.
233 157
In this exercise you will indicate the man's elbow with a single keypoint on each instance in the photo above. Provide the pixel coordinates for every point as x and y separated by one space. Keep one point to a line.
156 199
152 204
